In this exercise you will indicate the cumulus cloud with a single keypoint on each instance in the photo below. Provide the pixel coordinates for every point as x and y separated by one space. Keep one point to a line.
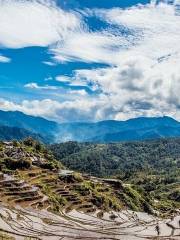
144 78
63 79
80 92
90 109
35 107
76 110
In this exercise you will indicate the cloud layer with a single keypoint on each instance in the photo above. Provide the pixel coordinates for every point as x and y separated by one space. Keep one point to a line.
140 45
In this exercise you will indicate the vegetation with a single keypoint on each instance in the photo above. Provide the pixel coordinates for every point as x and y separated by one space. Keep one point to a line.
24 154
4 236
11 133
151 169
123 159
138 183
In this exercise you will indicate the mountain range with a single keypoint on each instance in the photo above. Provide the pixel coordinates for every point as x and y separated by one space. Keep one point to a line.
17 125
113 131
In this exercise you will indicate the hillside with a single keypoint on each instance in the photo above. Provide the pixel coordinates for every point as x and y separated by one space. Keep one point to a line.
40 199
152 166
33 163
111 159
33 124
139 134
15 133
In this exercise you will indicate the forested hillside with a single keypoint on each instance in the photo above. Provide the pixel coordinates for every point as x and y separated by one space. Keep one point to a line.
120 158
15 133
151 167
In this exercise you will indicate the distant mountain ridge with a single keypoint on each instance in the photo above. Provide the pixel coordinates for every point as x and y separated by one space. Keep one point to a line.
141 128
31 123
35 125
15 133
113 131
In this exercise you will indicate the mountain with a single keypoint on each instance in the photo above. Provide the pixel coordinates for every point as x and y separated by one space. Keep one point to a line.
139 134
114 131
33 124
104 131
14 133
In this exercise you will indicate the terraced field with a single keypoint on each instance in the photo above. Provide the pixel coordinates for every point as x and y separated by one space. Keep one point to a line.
43 189
28 213
20 223
43 201
14 191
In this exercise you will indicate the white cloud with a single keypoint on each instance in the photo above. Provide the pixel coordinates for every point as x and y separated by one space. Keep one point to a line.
63 79
35 107
85 108
143 77
51 109
49 63
146 77
156 27
4 59
90 47
80 92
36 86
34 23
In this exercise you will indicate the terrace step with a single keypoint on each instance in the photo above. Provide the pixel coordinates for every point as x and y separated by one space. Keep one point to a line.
62 192
27 199
40 204
10 183
22 194
72 198
14 189
86 205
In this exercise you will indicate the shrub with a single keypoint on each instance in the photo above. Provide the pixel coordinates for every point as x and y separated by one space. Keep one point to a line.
13 164
29 142
51 165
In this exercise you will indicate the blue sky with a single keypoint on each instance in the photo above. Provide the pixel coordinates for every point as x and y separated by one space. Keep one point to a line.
89 60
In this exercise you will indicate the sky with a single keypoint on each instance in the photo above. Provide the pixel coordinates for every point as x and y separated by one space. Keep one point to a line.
89 60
